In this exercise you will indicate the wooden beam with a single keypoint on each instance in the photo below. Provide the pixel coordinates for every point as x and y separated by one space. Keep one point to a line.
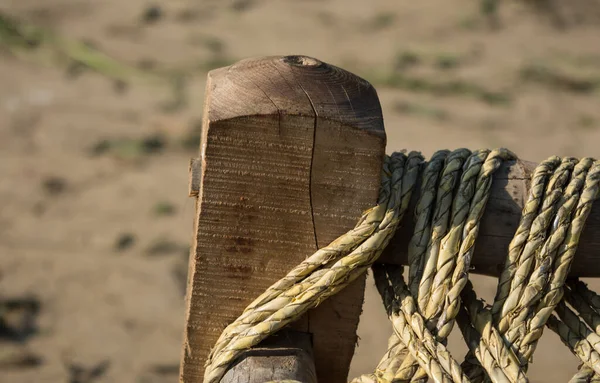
291 155
501 218
509 192
285 356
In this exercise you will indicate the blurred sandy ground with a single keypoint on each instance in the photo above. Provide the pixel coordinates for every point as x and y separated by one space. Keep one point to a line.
95 222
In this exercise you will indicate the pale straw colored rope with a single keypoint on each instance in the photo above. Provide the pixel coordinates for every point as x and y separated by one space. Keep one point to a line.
585 375
563 213
455 222
455 187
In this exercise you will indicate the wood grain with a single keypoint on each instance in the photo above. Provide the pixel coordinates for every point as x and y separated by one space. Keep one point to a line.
291 154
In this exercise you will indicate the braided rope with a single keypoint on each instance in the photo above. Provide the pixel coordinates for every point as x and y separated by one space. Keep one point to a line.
532 292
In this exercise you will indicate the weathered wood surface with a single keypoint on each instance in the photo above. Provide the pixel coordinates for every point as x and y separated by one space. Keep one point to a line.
291 154
499 224
285 356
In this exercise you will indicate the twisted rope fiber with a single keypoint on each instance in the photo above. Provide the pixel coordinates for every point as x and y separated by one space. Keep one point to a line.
532 289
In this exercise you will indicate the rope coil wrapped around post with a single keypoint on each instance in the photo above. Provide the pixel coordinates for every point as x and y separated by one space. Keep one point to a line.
532 290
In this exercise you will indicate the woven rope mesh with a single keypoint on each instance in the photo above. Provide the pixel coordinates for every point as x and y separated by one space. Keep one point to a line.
533 290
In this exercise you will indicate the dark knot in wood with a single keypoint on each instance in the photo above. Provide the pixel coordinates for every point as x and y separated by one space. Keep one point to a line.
302 61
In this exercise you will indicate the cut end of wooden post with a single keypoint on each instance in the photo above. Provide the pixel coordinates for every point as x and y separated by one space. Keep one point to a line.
292 151
293 85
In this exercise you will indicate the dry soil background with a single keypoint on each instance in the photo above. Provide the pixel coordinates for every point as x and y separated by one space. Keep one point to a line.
95 222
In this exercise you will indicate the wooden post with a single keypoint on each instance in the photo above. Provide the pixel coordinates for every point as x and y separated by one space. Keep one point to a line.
291 154
285 356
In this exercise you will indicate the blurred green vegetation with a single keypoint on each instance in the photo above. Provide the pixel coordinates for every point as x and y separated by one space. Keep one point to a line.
560 78
421 110
31 42
440 87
